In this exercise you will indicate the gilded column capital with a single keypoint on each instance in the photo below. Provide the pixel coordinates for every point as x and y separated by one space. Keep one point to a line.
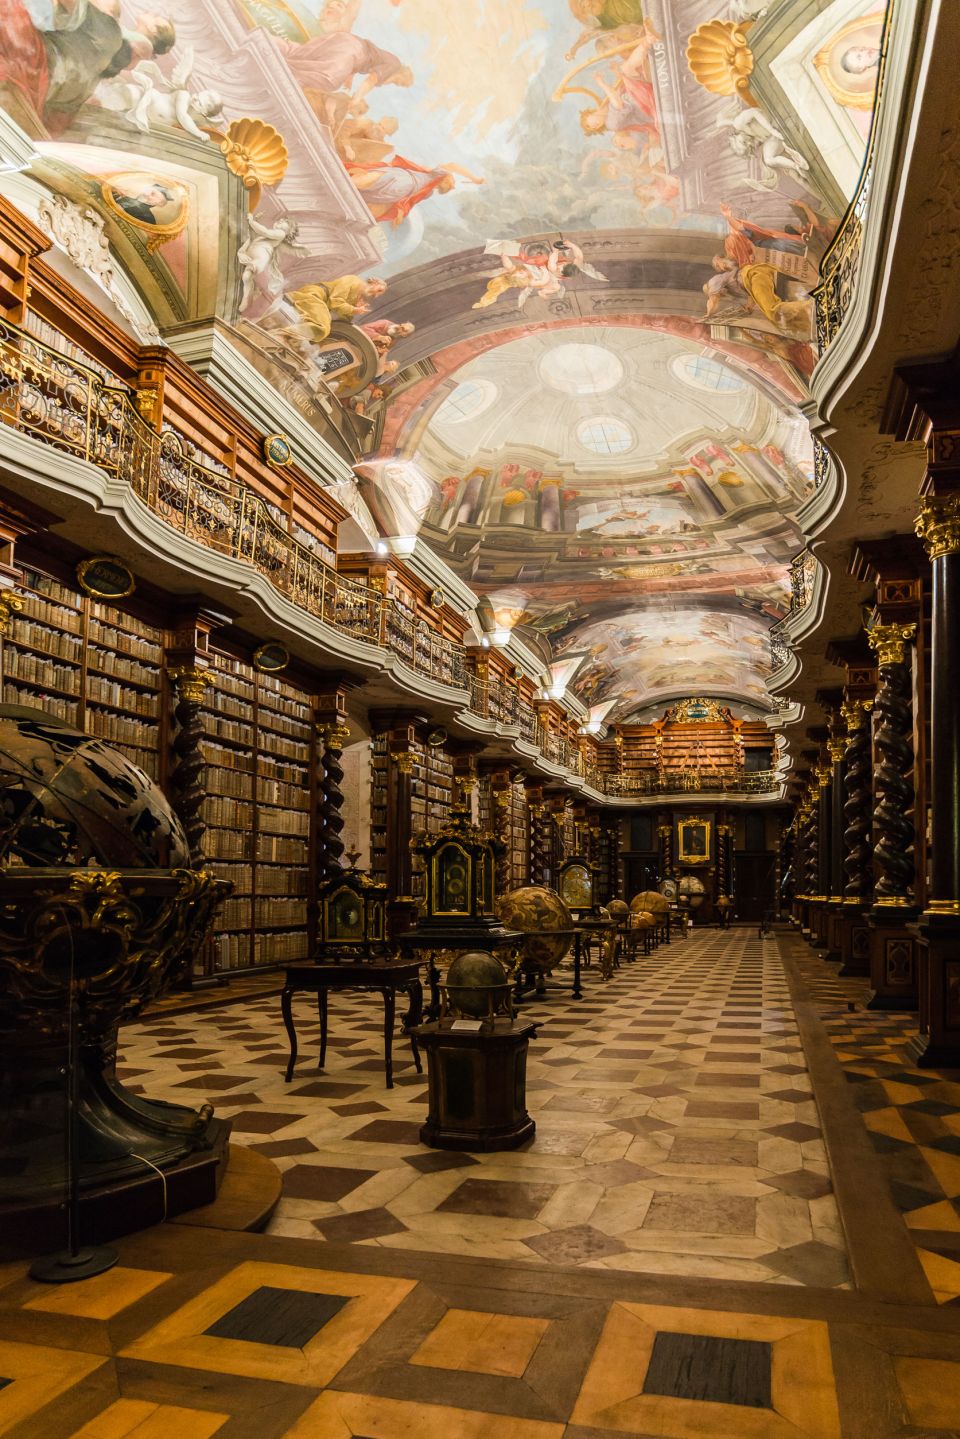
9 605
837 747
855 714
191 682
333 736
403 760
889 642
938 525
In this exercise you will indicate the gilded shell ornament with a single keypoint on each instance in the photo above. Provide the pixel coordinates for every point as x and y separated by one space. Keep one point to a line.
720 59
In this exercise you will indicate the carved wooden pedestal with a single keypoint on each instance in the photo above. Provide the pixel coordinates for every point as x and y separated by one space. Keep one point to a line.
478 1085
938 1044
833 930
893 958
854 941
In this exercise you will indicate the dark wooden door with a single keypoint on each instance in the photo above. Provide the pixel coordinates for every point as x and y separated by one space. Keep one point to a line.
754 885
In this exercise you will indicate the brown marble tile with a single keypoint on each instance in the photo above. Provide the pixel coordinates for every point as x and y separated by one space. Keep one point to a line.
802 1183
262 1121
437 1160
366 1106
796 1131
500 1199
284 1148
574 1245
709 1213
690 1150
388 1131
721 1109
322 1181
364 1224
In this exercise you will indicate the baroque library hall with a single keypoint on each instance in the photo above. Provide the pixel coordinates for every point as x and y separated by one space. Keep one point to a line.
479 744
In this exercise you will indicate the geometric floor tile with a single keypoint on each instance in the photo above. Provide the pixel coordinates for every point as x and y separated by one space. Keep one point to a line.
101 1297
766 1378
481 1343
931 1391
37 1375
361 1416
695 1046
187 1337
286 1317
139 1419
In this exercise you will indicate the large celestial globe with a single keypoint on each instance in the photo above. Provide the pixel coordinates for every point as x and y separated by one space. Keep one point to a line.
618 909
68 799
545 922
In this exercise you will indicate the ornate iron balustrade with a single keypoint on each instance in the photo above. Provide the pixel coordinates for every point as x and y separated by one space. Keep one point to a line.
841 263
734 781
65 404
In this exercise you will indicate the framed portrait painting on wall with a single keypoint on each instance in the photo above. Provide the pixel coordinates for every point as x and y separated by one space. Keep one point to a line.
694 836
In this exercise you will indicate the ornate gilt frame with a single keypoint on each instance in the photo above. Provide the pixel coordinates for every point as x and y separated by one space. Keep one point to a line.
694 821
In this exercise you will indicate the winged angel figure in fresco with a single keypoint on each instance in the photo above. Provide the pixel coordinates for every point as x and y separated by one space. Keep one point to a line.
535 268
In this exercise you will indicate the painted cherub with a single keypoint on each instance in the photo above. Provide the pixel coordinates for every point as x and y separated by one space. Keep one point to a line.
259 258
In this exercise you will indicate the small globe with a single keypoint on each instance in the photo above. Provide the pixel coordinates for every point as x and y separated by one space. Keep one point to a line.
67 799
545 922
618 909
643 919
470 980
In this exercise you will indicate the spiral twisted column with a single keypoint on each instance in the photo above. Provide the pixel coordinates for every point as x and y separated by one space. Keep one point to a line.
541 843
858 802
811 873
187 792
893 776
330 821
502 829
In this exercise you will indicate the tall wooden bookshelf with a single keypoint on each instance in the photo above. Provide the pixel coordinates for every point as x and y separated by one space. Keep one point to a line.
89 664
379 778
259 751
519 836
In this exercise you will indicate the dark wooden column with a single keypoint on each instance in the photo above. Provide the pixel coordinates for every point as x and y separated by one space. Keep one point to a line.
855 657
187 661
892 945
896 567
925 405
539 838
832 701
330 720
399 726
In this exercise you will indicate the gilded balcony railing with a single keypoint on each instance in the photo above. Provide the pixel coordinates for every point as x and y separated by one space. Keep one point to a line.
732 781
840 265
63 403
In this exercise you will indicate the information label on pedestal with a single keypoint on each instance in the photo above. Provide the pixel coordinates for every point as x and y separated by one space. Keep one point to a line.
469 1026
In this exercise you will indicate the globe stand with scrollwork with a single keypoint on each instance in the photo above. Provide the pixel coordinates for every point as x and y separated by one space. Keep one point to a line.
99 912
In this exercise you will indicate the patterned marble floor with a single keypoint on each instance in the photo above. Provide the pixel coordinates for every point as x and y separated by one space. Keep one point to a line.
676 1127
912 1115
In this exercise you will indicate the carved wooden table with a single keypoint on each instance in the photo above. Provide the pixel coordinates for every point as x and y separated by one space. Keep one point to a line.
385 977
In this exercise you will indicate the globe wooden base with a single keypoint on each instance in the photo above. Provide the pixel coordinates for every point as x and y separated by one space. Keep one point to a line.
477 1085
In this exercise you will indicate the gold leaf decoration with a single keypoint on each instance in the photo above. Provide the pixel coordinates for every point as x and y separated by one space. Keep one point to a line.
257 153
720 58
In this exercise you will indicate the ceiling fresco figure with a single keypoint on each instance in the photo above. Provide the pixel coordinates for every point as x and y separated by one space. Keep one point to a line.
579 343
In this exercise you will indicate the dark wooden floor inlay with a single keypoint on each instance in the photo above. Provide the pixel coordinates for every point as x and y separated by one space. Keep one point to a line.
288 1317
717 1371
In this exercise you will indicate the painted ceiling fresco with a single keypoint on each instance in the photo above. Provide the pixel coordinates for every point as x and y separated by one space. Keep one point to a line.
579 235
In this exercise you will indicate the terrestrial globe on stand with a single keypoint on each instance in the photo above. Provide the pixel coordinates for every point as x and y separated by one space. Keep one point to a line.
100 911
476 986
547 927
